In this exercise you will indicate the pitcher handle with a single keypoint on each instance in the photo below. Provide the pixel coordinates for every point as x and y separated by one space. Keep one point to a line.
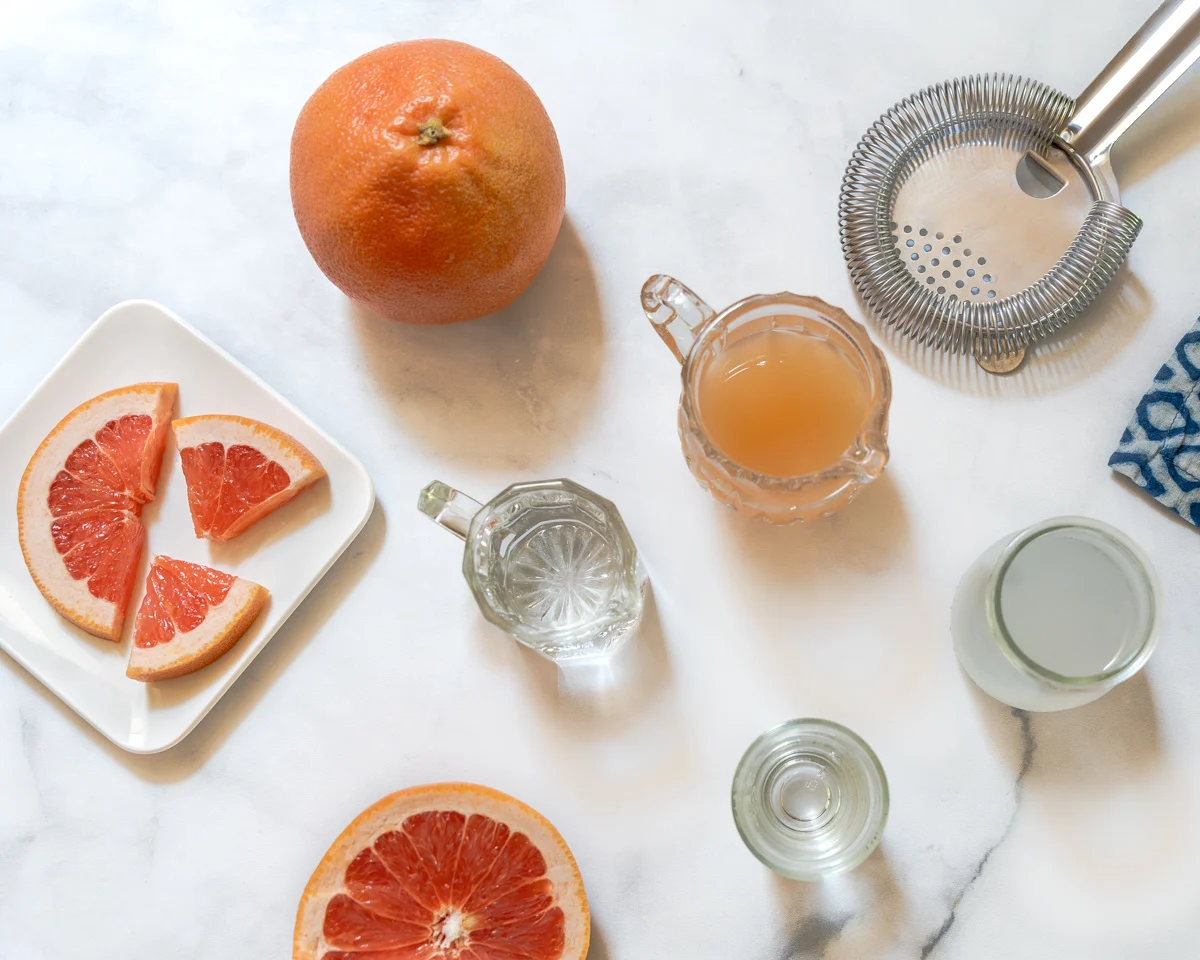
675 312
448 507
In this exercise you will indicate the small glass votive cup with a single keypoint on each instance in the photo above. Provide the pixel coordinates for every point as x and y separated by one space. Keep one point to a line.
1056 615
810 799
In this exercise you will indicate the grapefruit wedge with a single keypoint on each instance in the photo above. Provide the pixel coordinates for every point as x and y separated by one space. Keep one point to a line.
81 498
450 871
190 616
238 471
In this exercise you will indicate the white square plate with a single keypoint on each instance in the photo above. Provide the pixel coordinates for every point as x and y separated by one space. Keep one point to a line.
287 552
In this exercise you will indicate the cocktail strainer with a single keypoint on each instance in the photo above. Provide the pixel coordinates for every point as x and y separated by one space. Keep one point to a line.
982 214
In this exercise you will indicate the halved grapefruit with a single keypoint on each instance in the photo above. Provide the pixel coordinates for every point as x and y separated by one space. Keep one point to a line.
81 497
190 616
238 471
450 871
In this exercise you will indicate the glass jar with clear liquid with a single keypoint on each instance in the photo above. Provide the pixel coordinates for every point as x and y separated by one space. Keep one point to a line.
1056 615
549 562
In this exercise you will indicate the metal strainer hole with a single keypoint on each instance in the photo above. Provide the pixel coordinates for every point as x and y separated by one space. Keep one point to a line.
946 274
959 284
935 261
991 294
921 268
927 248
941 289
910 243
987 278
966 252
958 263
908 228
971 272
1037 179
982 261
958 239
946 251
929 279
940 236
975 291
923 232
914 256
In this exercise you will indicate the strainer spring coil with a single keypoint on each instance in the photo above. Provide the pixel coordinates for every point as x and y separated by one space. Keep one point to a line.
985 109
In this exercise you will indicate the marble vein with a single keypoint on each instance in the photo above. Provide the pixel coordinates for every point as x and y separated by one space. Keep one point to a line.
813 935
1028 749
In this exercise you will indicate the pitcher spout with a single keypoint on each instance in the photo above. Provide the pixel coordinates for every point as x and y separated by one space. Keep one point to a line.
870 455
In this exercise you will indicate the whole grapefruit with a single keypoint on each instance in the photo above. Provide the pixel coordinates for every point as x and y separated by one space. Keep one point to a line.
427 181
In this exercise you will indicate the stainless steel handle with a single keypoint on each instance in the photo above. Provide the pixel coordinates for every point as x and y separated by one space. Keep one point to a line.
1156 56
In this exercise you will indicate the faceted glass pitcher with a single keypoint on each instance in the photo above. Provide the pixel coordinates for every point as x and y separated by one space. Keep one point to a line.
697 335
549 562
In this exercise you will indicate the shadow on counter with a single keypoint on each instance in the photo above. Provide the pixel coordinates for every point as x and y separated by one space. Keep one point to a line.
1080 350
864 911
1106 741
866 536
508 390
606 693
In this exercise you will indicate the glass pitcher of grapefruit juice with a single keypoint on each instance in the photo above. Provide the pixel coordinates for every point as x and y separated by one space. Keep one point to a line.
784 409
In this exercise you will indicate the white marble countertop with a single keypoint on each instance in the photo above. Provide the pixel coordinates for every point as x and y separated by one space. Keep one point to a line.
143 153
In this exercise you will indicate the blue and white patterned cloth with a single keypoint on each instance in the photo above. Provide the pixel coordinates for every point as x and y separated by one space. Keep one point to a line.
1160 449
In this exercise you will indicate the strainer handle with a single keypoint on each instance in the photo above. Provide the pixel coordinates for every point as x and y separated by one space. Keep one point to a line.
1155 57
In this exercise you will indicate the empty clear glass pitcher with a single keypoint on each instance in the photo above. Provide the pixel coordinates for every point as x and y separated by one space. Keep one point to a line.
784 410
550 562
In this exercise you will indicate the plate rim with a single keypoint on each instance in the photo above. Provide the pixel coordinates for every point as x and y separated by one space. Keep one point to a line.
366 512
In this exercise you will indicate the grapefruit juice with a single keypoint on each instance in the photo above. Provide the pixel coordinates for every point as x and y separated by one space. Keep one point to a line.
782 402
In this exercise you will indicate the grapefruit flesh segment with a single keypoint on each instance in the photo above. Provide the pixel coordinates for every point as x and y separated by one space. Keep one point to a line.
238 471
190 615
80 501
445 872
